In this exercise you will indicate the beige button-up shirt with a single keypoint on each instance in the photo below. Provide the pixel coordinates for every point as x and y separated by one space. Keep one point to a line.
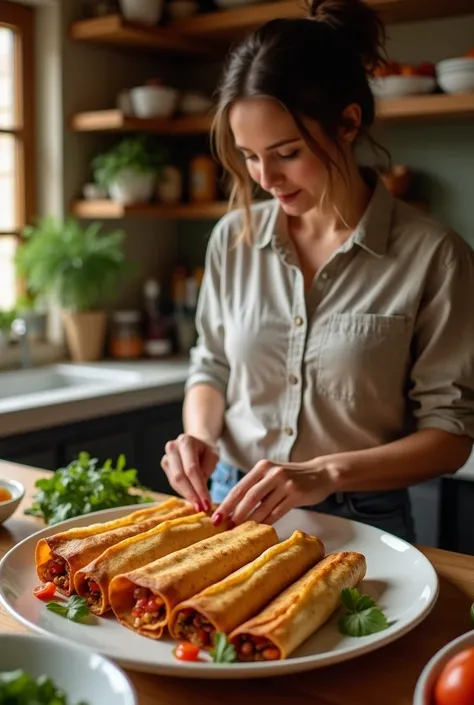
381 345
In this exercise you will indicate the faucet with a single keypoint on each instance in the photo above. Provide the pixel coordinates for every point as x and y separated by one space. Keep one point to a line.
19 328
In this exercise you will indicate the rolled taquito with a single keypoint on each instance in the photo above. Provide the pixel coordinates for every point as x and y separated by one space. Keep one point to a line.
298 611
92 582
230 602
144 599
61 555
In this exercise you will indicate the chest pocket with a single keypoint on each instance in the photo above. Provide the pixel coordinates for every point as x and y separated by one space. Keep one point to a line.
363 356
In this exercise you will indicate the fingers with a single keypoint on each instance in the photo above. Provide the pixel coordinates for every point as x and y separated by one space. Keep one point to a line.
177 478
279 511
239 495
269 503
193 471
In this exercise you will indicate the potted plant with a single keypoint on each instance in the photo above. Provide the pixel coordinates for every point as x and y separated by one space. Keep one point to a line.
129 170
78 266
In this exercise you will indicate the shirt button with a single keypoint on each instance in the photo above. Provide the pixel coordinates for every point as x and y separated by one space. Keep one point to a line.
288 431
299 321
324 276
293 379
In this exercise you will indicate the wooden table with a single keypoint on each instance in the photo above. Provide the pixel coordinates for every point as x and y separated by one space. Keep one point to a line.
384 677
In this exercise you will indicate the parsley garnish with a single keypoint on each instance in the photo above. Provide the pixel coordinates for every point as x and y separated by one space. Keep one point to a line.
85 486
19 688
363 617
75 608
223 652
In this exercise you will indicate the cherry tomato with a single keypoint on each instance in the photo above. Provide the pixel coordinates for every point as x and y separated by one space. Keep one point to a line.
455 685
45 592
185 651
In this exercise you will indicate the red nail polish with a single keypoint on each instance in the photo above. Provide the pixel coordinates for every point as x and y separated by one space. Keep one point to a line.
216 519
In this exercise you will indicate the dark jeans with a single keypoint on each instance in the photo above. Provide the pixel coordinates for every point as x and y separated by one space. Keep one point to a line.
389 511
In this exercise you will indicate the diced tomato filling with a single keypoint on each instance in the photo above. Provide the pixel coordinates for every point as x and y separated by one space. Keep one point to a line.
148 608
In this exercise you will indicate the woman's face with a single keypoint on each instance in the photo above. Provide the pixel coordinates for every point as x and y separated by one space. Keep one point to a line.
277 157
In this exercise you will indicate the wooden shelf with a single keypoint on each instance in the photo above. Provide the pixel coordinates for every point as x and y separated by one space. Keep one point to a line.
411 108
426 108
230 24
113 30
110 209
192 35
115 121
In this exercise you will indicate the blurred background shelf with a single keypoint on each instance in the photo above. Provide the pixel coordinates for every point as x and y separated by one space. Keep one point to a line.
186 211
116 121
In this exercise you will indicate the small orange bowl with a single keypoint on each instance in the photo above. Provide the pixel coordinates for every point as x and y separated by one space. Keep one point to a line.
16 491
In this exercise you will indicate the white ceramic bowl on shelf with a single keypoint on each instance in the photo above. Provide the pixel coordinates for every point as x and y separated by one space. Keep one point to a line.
17 492
154 101
456 75
400 86
83 675
426 682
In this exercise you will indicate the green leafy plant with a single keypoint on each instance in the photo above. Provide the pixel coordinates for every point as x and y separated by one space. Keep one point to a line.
363 617
86 486
138 154
223 652
75 608
78 265
19 688
6 320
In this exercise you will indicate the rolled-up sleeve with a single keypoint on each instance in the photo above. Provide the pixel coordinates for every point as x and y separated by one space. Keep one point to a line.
442 376
208 362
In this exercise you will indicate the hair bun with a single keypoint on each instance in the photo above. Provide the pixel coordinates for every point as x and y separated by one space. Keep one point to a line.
357 23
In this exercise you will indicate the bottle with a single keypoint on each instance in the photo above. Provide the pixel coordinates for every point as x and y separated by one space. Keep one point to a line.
126 339
203 179
157 335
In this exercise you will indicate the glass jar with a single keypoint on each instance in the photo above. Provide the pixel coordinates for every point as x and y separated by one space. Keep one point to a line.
126 339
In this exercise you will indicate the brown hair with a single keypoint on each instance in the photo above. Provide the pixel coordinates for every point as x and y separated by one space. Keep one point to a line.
313 67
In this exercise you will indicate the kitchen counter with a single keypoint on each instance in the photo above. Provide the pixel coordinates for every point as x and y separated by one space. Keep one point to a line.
138 384
385 676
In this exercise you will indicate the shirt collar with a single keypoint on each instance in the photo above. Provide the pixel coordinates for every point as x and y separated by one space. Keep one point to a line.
372 232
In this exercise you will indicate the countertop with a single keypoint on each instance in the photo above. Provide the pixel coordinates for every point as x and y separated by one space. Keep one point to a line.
386 676
146 383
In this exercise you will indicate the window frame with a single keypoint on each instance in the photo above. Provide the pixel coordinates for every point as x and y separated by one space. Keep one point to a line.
21 20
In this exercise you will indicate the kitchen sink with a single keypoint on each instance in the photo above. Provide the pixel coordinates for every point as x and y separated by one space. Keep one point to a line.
55 378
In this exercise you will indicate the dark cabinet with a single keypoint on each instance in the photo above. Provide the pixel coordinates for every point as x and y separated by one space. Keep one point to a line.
140 435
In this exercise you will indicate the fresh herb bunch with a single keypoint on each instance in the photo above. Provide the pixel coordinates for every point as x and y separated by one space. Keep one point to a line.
85 486
223 652
140 154
19 688
75 608
363 617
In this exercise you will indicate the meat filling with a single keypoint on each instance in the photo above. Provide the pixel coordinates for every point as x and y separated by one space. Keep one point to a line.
149 609
256 648
56 571
192 626
93 594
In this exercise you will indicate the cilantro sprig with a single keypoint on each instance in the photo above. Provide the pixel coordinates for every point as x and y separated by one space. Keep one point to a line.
75 608
362 617
19 688
223 652
85 486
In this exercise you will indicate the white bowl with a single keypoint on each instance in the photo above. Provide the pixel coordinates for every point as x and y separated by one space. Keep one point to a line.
180 9
145 11
424 687
82 674
17 492
154 101
195 104
463 62
399 86
456 80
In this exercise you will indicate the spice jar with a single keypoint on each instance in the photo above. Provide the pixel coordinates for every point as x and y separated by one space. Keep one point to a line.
126 339
203 179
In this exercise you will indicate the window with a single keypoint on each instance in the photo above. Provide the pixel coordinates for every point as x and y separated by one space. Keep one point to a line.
16 138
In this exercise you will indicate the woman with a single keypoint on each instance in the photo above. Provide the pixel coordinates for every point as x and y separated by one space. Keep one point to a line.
335 364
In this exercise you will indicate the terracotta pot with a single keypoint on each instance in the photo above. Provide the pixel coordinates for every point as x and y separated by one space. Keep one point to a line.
85 334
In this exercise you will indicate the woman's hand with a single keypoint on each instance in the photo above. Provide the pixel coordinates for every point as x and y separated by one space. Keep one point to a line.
188 463
269 490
